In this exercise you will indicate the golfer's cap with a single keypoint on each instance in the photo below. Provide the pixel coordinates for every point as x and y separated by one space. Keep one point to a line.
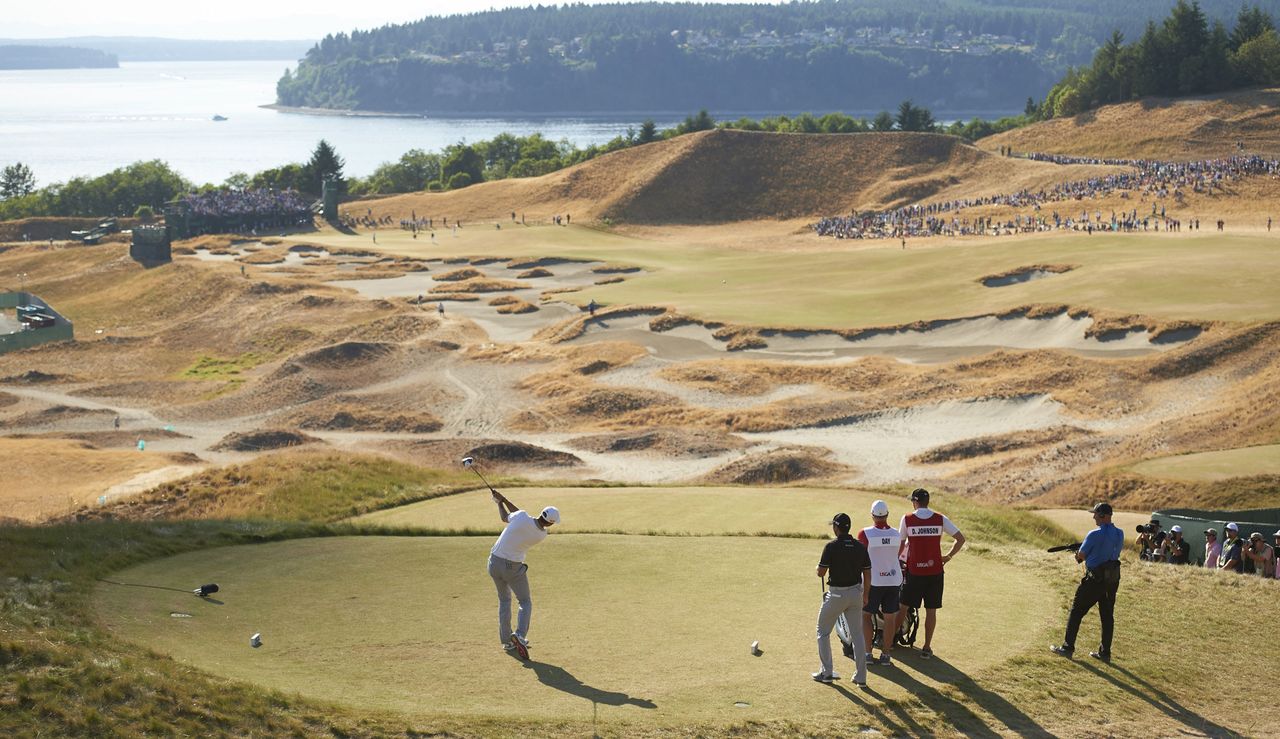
1102 509
1231 527
1176 529
879 508
551 514
842 520
920 494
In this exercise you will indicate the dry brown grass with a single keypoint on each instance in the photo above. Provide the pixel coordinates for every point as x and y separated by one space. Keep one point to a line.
258 441
778 467
509 304
987 445
529 274
728 176
666 442
351 416
457 275
1158 128
48 477
479 285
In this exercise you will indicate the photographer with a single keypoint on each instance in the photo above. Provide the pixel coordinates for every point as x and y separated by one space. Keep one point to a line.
1100 553
1230 558
1262 555
1177 551
1151 539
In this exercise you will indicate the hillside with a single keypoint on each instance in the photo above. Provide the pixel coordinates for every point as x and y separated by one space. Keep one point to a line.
723 175
1159 128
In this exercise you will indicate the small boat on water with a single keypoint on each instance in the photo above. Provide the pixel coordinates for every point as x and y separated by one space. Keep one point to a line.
219 118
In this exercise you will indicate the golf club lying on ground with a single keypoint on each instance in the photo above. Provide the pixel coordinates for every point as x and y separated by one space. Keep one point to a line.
470 463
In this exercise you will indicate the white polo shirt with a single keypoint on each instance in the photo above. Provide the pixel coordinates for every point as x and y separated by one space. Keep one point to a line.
518 538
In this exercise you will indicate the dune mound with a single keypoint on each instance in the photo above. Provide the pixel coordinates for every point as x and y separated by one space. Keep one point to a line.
778 466
7 399
345 355
58 414
986 445
722 176
1158 128
668 442
518 452
256 441
458 275
501 453
34 377
357 418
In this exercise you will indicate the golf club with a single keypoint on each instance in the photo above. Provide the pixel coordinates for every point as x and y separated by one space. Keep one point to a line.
470 463
1073 547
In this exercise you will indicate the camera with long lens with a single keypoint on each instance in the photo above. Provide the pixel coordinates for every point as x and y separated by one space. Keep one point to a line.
1151 548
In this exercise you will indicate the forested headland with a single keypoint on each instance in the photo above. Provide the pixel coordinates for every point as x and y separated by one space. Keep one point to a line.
950 55
26 56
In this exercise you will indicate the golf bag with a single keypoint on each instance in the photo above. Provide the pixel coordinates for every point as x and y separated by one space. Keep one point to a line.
846 636
906 635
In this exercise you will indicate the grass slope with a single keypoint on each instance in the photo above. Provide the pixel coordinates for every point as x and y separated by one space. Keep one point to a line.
1211 466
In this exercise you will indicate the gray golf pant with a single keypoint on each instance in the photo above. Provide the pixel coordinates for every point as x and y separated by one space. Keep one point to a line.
849 602
511 577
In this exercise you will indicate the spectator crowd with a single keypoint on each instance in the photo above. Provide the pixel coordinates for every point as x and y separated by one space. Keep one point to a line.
247 211
1231 553
1156 179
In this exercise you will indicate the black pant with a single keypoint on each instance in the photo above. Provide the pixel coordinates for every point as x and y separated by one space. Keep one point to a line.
1092 591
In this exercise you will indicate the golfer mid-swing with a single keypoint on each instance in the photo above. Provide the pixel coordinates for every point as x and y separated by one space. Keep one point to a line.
510 573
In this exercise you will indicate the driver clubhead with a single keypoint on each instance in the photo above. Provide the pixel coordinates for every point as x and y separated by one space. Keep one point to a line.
468 461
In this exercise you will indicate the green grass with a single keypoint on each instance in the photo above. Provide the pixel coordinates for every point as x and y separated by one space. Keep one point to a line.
842 285
654 630
228 369
306 486
1211 466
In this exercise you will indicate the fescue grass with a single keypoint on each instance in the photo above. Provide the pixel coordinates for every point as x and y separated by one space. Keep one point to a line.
302 486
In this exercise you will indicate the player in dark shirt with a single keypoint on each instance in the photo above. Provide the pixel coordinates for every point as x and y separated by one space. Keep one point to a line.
847 567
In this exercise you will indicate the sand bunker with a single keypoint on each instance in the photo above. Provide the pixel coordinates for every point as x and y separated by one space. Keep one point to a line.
505 322
939 341
881 445
1025 274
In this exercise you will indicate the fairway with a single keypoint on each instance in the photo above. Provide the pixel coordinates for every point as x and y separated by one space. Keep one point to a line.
833 284
1219 465
670 511
630 630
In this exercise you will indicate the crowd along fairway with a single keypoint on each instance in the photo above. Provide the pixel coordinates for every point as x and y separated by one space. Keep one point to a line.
628 630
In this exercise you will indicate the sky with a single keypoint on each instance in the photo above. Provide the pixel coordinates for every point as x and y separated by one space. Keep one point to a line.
226 19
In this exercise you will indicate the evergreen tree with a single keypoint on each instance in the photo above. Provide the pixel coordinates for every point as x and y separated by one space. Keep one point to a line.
324 163
883 121
1250 24
913 118
648 132
16 180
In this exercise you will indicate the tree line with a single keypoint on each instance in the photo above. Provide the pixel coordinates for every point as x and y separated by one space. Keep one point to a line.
144 187
1183 55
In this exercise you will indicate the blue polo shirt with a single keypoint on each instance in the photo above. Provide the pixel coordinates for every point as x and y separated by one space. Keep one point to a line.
1102 545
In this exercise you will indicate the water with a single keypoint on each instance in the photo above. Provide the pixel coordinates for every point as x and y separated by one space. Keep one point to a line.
84 122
